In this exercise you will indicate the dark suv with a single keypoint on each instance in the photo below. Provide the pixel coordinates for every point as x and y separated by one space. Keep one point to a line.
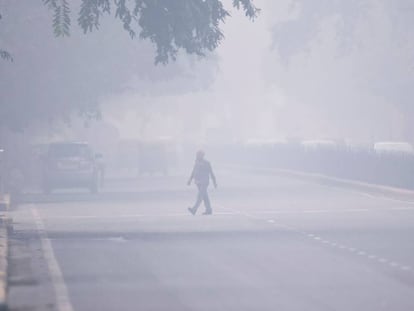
70 165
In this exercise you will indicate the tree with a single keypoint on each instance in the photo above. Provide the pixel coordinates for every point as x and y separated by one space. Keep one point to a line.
51 79
4 54
191 25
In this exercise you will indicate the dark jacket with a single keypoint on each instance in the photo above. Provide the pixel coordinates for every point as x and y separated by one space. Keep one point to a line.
202 172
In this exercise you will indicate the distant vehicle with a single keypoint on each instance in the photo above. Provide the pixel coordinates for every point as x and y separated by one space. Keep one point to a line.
71 165
391 147
264 142
319 144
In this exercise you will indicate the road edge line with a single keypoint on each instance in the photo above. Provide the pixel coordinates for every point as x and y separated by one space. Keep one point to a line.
56 275
314 177
4 254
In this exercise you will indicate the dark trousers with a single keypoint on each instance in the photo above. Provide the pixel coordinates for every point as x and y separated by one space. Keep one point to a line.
202 196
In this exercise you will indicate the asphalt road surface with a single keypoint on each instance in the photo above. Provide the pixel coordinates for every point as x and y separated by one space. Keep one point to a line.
273 243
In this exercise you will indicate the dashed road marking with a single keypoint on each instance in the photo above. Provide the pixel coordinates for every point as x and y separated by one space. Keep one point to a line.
394 264
353 250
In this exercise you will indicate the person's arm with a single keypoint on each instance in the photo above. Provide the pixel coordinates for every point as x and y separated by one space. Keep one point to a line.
191 177
213 178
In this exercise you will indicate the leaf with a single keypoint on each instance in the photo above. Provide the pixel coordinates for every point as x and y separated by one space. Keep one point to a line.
6 55
91 12
250 10
171 25
61 16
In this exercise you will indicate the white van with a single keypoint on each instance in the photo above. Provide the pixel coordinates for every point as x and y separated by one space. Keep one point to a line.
392 147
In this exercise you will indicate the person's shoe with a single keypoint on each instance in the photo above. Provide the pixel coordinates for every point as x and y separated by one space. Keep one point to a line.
191 210
207 213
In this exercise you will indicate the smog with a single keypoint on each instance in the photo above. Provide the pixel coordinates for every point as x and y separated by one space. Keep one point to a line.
206 155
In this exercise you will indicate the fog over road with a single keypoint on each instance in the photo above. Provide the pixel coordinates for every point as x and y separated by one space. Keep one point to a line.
273 243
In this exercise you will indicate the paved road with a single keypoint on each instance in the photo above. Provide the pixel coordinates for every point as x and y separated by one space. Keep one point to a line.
274 243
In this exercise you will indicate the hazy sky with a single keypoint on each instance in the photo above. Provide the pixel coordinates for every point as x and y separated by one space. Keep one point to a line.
329 87
311 70
236 99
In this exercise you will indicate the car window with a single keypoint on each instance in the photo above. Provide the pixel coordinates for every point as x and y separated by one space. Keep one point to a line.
69 150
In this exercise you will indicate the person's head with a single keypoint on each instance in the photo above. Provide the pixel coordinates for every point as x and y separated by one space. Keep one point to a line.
200 155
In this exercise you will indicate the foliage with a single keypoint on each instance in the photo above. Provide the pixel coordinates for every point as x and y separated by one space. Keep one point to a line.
191 25
77 74
250 10
4 54
61 18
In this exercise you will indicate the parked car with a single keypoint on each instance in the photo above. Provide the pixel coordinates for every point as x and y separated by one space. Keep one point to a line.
71 165
393 147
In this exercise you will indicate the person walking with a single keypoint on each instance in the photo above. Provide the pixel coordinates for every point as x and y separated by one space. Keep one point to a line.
202 172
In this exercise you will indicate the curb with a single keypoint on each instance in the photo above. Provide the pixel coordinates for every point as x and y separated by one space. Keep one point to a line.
4 202
398 193
4 249
3 261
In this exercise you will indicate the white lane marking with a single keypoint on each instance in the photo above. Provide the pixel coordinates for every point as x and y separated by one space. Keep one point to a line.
395 200
318 211
237 212
402 208
253 214
119 239
313 211
332 244
327 211
134 216
61 291
393 264
354 210
371 196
